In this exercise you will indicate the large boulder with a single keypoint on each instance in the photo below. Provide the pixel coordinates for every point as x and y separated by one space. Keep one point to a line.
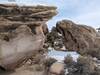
57 68
78 37
20 47
22 32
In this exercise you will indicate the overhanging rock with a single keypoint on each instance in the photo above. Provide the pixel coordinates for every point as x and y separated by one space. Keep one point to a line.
22 30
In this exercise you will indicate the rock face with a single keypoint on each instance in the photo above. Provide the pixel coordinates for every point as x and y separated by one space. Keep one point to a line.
12 16
22 30
78 37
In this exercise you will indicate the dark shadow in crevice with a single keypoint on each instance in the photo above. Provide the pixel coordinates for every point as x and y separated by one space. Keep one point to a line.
2 69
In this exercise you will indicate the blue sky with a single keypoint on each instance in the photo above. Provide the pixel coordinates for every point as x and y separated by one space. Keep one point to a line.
80 11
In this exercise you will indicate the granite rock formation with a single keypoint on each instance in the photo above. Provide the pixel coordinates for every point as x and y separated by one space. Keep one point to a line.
22 32
57 68
78 37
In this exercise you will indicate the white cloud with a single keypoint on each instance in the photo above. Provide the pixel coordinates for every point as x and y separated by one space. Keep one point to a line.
89 14
91 18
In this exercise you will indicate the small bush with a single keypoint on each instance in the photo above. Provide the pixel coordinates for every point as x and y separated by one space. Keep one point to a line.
68 60
86 65
48 62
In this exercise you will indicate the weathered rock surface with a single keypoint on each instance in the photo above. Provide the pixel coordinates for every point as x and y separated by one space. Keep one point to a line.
22 30
12 16
20 47
78 37
57 68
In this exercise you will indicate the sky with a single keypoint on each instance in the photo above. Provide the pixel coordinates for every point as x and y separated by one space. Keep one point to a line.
85 12
60 55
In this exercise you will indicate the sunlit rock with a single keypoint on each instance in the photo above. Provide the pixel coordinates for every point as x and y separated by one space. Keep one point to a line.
22 32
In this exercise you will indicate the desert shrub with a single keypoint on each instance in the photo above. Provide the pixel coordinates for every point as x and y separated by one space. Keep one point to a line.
68 60
53 37
48 62
86 65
